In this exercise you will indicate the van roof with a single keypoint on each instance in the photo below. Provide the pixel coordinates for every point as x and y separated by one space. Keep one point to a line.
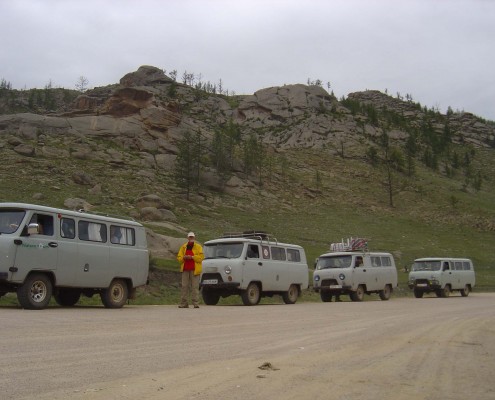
250 240
355 253
77 214
442 259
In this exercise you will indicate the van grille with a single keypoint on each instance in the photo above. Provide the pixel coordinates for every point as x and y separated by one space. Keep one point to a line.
212 276
328 282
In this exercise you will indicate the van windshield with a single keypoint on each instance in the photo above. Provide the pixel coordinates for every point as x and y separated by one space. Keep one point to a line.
223 250
334 262
10 220
426 266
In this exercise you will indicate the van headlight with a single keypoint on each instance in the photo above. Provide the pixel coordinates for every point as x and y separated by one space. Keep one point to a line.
341 277
228 269
316 278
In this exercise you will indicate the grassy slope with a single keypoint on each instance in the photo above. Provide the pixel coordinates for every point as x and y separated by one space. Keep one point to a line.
350 199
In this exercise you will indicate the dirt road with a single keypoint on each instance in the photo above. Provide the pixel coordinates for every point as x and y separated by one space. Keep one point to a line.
401 349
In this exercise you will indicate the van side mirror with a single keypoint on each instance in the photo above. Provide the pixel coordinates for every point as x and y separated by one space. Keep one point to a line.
33 229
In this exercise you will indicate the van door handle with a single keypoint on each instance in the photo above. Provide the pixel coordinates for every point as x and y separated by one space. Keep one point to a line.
260 263
364 270
53 244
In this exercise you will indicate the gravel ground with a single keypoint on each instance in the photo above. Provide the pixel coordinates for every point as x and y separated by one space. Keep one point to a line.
405 348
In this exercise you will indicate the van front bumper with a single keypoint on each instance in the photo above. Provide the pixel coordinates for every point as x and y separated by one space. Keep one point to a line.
424 285
220 285
332 288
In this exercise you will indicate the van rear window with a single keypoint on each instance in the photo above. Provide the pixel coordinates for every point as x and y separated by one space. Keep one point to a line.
122 235
293 255
278 253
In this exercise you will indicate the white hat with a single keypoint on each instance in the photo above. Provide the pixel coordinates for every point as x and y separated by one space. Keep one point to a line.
191 234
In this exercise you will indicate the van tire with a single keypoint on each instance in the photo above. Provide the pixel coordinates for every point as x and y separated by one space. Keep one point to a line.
36 292
418 293
465 292
67 297
358 295
115 296
385 293
210 297
445 292
251 296
326 297
290 297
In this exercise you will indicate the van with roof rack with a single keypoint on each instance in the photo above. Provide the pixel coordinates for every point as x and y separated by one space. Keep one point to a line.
350 269
441 276
47 252
252 265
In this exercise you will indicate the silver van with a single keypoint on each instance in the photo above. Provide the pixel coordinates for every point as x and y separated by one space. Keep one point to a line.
354 273
441 276
252 265
48 251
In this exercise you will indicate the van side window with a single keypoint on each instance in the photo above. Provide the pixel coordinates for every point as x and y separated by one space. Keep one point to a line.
386 262
253 251
446 266
458 265
466 266
68 228
266 252
293 255
45 224
376 261
278 253
92 231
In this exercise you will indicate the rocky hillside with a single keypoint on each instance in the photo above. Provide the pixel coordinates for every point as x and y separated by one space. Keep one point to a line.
115 148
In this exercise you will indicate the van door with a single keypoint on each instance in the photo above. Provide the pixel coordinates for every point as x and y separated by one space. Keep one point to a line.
93 268
276 274
37 251
253 265
67 253
359 271
446 274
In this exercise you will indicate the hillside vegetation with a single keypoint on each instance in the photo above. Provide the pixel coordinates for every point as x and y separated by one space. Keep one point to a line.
300 164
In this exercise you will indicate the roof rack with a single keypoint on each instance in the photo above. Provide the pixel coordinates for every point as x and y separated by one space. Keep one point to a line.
351 244
261 235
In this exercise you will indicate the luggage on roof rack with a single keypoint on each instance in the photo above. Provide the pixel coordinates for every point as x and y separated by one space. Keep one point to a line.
352 244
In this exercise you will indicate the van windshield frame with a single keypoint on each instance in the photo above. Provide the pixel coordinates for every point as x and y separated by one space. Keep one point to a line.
427 265
223 250
342 261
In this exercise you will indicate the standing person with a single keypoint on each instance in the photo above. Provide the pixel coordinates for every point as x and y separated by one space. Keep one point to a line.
190 257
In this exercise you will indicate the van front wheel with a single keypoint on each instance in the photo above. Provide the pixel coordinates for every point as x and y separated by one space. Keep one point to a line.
445 292
290 297
36 292
358 295
326 297
251 296
418 293
115 295
386 292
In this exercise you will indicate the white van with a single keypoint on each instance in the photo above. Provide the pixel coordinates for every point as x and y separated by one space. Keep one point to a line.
47 251
252 265
354 273
442 276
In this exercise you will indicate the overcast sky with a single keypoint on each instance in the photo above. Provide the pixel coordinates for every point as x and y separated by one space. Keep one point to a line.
441 52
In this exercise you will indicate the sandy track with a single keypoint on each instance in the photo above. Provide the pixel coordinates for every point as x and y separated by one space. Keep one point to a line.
426 348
